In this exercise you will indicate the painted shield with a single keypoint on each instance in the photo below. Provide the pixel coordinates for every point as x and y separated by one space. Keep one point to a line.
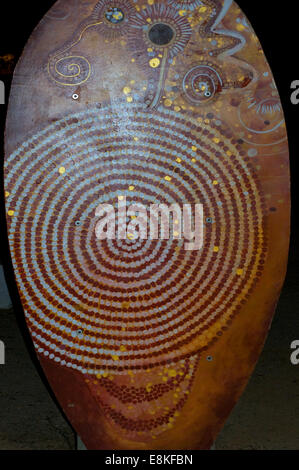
147 342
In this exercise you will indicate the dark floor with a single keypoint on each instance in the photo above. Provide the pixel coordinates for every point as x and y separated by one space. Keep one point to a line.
267 416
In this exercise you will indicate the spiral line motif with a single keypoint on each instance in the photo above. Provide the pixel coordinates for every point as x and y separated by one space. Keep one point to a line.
69 70
97 305
201 84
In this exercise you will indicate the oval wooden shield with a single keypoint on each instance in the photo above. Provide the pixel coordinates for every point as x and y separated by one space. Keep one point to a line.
147 341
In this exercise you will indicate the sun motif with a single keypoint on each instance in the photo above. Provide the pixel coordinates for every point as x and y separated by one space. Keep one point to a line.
115 17
157 31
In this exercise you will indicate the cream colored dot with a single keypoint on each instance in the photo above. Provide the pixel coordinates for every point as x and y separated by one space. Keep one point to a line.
168 103
61 170
120 198
131 188
129 99
127 90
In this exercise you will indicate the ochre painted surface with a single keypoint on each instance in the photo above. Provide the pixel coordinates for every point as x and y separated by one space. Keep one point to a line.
146 345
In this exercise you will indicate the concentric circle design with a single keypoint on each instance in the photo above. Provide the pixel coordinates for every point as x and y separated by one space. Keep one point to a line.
201 84
98 305
113 17
155 16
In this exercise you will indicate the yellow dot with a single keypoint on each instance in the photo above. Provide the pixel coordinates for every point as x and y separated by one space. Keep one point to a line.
239 272
121 198
172 373
129 99
115 358
216 249
177 108
178 160
61 170
131 188
168 103
194 148
193 160
127 90
168 178
154 63
10 213
6 193
216 140
215 183
136 139
123 348
229 153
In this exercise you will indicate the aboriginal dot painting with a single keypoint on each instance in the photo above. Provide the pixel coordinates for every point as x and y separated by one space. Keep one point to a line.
146 344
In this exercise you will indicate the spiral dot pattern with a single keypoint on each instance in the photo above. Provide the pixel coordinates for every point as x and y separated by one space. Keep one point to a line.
97 305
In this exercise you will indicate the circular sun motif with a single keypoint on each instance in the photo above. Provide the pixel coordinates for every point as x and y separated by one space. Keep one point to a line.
158 29
115 17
